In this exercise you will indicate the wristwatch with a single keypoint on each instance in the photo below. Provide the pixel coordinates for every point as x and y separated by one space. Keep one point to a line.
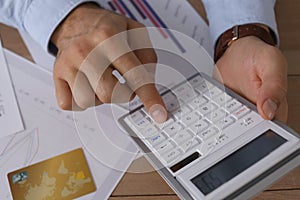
236 32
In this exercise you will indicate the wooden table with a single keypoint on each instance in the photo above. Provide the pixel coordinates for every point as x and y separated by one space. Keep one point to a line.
150 186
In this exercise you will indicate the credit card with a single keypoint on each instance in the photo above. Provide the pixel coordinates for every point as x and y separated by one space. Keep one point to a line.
66 176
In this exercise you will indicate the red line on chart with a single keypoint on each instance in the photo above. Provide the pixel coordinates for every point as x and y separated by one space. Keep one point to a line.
122 11
156 24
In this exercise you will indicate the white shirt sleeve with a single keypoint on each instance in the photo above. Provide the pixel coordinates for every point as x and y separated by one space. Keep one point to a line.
40 17
37 17
224 14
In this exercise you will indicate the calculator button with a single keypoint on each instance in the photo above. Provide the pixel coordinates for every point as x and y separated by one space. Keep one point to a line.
169 97
142 123
196 81
136 116
164 147
171 155
213 92
172 129
202 87
212 131
182 136
224 123
180 112
216 115
157 139
171 101
207 108
209 84
199 126
197 102
238 114
188 96
164 124
232 105
182 89
172 105
190 118
222 99
149 131
185 92
189 144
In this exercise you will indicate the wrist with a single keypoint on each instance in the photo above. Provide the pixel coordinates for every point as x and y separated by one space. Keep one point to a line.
69 26
233 34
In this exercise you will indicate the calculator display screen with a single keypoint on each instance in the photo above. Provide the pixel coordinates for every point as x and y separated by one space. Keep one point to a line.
237 162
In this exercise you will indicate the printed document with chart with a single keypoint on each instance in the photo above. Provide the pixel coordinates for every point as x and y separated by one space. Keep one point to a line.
51 132
10 119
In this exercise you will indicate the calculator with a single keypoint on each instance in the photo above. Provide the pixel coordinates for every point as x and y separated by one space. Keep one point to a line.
214 144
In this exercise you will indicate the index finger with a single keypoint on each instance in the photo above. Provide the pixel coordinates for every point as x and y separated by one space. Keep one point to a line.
139 80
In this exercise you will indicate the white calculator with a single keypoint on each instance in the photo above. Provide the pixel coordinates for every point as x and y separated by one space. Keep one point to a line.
214 145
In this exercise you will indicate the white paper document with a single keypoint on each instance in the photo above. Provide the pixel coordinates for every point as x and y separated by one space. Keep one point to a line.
166 15
51 131
10 119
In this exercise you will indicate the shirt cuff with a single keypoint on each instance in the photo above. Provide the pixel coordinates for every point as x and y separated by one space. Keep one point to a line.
42 18
225 14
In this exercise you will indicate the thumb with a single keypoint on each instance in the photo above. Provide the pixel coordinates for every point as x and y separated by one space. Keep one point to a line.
271 99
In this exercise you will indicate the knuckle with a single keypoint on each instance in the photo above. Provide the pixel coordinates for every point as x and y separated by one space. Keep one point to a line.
147 55
81 49
106 33
103 95
60 69
84 103
65 72
65 105
154 57
151 56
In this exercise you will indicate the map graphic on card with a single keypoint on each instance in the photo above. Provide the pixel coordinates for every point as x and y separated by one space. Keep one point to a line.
66 176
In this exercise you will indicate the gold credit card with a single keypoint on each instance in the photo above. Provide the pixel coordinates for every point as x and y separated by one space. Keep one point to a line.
66 176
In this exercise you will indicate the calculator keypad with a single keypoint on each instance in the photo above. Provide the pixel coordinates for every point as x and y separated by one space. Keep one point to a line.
200 115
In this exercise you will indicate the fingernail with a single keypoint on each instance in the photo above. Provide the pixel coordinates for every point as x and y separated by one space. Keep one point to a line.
270 108
158 113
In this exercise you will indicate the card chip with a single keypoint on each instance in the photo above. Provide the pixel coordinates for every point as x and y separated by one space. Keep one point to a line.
19 177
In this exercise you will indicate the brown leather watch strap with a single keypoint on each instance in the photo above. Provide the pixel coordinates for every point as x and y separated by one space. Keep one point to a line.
236 32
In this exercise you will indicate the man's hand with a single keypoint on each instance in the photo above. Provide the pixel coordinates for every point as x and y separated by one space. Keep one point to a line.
258 72
80 86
